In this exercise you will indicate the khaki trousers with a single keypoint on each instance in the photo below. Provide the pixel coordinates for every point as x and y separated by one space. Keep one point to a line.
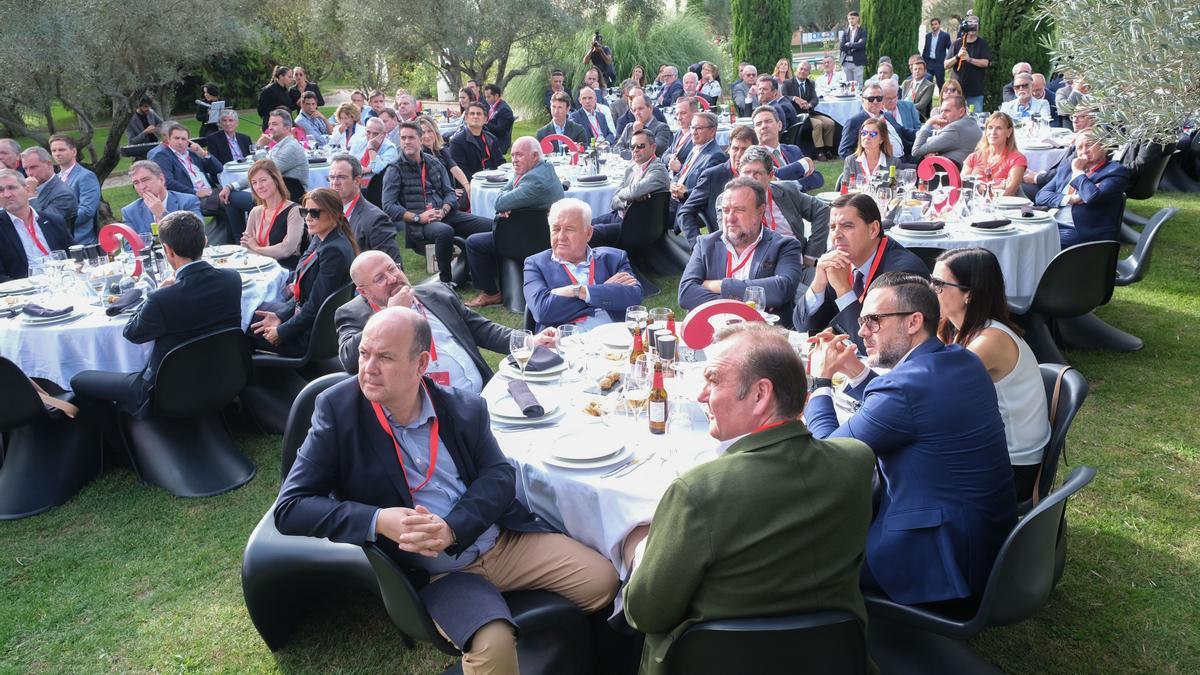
534 561
822 131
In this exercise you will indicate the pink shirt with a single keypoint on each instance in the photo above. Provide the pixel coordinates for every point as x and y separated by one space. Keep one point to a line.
975 165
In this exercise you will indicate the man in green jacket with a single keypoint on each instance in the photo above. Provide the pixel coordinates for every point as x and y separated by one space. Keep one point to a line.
775 526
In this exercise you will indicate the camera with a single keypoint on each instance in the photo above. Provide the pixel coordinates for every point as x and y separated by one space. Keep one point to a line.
597 38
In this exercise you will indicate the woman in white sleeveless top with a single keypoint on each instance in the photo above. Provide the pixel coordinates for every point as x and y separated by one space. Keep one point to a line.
970 289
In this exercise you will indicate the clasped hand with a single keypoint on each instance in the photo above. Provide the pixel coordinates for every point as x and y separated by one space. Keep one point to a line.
831 353
415 530
833 269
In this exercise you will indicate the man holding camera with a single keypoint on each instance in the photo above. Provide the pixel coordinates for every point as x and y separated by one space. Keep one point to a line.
601 57
969 61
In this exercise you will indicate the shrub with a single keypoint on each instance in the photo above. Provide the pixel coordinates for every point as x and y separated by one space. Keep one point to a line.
1012 30
892 27
762 31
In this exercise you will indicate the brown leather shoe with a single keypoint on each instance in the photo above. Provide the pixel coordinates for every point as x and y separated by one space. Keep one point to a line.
485 300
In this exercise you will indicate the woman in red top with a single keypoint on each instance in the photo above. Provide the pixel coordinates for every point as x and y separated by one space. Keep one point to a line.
996 158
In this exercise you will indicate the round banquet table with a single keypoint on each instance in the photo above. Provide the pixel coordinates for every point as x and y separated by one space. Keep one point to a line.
1023 254
597 195
840 109
1041 158
57 352
318 173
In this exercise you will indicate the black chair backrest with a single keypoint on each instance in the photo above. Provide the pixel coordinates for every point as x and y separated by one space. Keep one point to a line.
403 604
201 375
1139 260
374 191
295 190
644 222
824 642
523 233
789 135
1023 574
1072 393
322 342
1078 280
1144 183
300 418
927 254
22 404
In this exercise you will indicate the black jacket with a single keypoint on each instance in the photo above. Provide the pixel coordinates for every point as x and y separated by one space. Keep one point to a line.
470 153
14 264
271 97
319 277
218 147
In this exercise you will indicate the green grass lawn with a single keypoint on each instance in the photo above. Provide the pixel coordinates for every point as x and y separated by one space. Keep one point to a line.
127 578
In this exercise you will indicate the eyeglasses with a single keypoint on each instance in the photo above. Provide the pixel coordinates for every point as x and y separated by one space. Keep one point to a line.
1020 86
873 99
871 321
699 128
938 285
869 132
639 146
310 213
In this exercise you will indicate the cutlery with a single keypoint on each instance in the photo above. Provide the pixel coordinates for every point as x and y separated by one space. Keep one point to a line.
629 468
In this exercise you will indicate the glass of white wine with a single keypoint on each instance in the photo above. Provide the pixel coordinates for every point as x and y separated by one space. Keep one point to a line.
520 344
637 387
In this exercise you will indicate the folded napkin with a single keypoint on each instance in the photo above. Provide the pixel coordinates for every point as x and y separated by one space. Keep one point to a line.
525 399
924 225
495 179
990 224
1028 209
39 312
595 178
128 299
542 359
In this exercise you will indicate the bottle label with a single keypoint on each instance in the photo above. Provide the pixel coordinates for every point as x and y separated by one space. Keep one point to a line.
658 412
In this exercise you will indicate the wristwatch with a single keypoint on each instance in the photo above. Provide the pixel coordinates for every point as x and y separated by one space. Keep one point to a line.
819 382
577 289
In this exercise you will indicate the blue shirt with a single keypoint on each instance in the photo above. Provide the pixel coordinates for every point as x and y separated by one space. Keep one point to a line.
452 357
580 271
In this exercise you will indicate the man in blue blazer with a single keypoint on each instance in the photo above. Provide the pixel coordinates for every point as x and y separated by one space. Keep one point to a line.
19 243
154 200
672 87
703 153
854 48
198 299
500 117
770 94
594 123
934 49
1089 192
946 492
790 162
872 96
724 264
859 253
573 282
83 182
626 118
397 460
187 167
700 207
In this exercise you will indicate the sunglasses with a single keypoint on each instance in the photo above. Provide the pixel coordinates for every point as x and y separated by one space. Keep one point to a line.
871 321
639 146
873 99
310 213
938 285
869 132
1020 86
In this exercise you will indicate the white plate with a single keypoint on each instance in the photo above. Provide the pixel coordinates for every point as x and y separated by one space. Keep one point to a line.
490 174
505 408
544 421
31 321
1012 202
514 373
552 370
581 446
222 251
17 287
828 196
616 459
613 335
900 229
1007 229
1037 145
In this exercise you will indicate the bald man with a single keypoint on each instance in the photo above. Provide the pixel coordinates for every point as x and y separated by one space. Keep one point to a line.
451 516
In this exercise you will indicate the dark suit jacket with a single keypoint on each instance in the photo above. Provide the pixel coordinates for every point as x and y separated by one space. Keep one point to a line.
787 112
709 156
471 329
798 208
626 118
469 152
793 170
812 501
328 271
271 97
805 89
856 49
854 124
948 504
55 195
14 264
669 95
895 259
571 130
777 265
700 205
294 93
500 126
202 299
177 176
373 230
606 134
218 147
940 50
1098 218
543 274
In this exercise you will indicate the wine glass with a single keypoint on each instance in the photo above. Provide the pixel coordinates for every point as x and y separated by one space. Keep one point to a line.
636 317
907 178
756 298
637 386
520 344
566 343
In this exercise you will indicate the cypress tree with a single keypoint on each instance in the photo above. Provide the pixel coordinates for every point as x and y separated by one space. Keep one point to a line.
891 31
761 32
1014 34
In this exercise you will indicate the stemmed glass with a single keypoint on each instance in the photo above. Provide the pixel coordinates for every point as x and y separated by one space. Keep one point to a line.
636 317
637 387
907 179
520 344
566 343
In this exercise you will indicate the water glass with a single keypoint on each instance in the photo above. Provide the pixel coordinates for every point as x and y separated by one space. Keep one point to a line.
756 297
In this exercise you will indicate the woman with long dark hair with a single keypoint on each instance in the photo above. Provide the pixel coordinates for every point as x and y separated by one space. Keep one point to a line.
970 290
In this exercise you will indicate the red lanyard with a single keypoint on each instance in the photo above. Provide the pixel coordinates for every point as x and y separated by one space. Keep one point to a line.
770 210
775 157
862 160
874 267
366 158
31 228
486 150
300 270
517 180
686 167
595 127
828 79
349 208
424 192
591 272
1071 189
772 425
187 157
747 256
494 108
433 447
645 167
265 226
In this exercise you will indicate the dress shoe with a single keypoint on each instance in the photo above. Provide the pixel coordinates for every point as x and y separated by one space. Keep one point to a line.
485 300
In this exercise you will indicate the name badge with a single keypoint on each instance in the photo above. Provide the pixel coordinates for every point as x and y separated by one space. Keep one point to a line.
442 378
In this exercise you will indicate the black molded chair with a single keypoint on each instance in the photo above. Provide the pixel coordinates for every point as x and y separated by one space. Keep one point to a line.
555 637
1073 391
184 447
295 190
279 379
927 254
1133 268
1144 183
789 135
523 233
818 642
1078 280
374 190
46 457
642 231
915 639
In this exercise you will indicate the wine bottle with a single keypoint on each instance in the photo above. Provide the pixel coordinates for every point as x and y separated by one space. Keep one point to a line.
639 348
892 178
658 402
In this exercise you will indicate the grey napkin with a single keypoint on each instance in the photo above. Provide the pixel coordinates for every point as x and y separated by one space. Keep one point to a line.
924 225
990 224
43 313
128 299
594 178
525 399
1028 209
542 359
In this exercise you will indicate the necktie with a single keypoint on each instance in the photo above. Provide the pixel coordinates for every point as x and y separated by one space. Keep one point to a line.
858 283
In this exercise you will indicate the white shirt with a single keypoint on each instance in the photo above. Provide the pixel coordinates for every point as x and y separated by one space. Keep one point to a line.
452 357
742 274
32 252
198 179
1022 401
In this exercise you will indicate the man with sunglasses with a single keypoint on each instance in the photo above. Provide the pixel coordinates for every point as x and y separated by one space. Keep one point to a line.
1010 91
1025 105
860 252
645 176
872 104
700 207
935 426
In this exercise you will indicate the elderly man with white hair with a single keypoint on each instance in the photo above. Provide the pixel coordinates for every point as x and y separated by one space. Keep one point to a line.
672 87
573 283
1010 90
10 155
373 149
48 193
534 185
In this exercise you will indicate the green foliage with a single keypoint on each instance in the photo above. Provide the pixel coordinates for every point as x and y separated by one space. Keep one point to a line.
1015 34
761 32
820 14
891 30
716 13
944 9
240 76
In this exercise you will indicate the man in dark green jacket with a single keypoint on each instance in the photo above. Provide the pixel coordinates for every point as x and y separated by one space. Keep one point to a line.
775 526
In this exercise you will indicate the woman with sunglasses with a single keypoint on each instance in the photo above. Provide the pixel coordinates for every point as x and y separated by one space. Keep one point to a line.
431 138
950 88
996 160
285 327
970 290
873 154
274 227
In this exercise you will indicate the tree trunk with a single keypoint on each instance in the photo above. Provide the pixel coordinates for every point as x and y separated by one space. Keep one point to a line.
122 113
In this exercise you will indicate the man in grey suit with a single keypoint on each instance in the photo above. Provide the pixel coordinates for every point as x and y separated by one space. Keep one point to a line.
52 195
643 118
643 178
950 132
458 333
289 158
373 230
534 185
789 211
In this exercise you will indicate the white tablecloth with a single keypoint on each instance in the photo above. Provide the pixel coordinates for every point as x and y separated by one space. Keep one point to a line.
95 342
1040 159
840 110
318 174
1023 254
598 196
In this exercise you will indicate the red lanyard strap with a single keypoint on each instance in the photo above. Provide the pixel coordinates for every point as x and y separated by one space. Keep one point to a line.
874 267
591 272
772 425
433 447
263 235
770 210
730 269
349 208
31 228
300 270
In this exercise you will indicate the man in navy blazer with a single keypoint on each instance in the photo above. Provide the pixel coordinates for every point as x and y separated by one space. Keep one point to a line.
17 244
370 471
872 100
572 282
700 207
198 299
1089 193
860 253
626 118
672 87
790 162
724 264
594 123
703 153
154 200
946 498
854 48
500 117
187 167
222 144
83 182
934 49
770 94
